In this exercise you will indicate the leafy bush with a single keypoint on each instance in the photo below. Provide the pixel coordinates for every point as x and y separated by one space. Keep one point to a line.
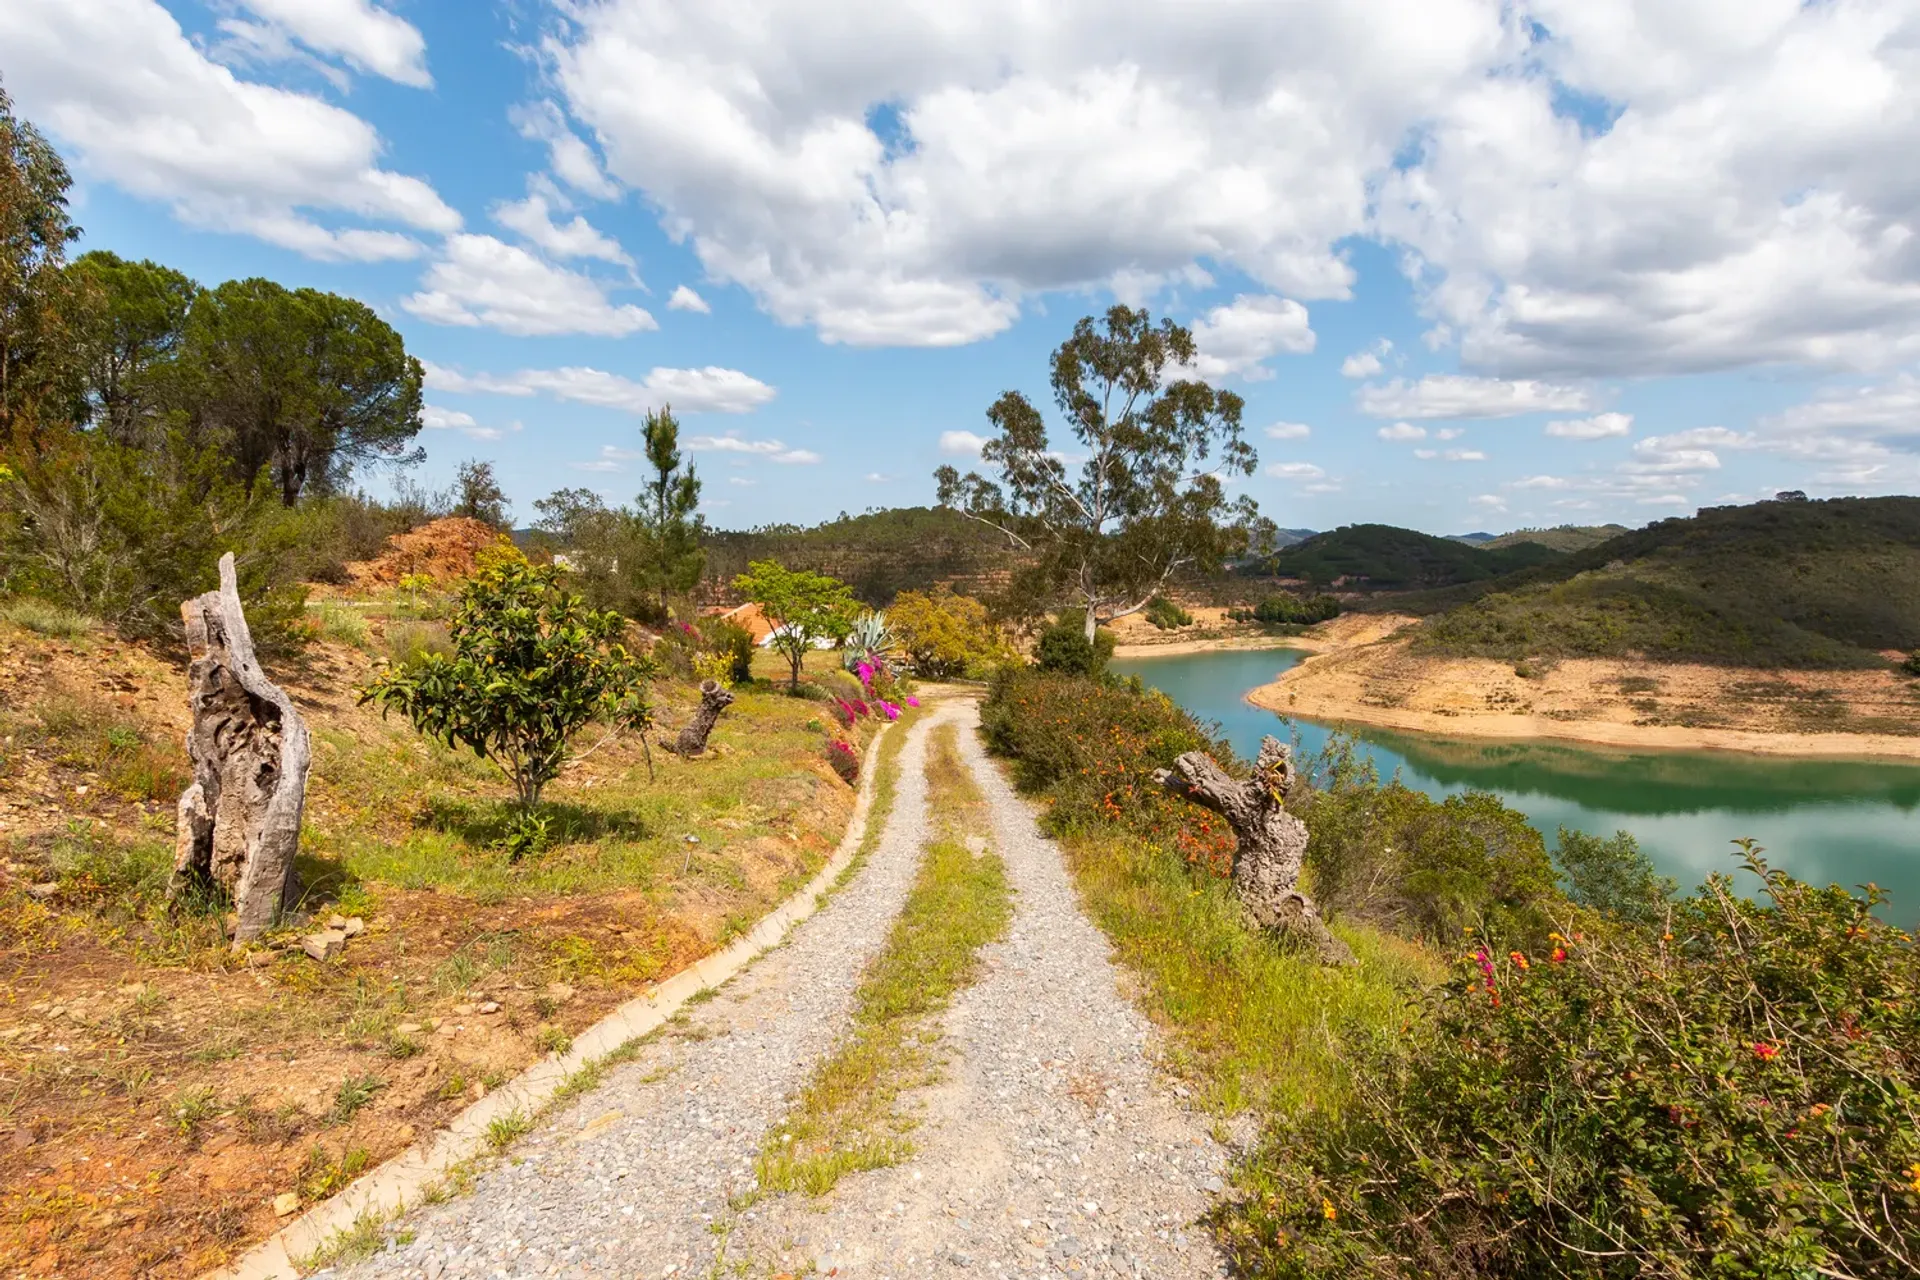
733 642
409 642
1291 610
339 623
844 760
1421 867
1166 615
1912 665
1063 647
1737 1097
531 667
945 636
1613 877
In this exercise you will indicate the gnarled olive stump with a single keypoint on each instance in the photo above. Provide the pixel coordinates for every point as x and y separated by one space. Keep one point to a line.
239 823
1272 842
713 700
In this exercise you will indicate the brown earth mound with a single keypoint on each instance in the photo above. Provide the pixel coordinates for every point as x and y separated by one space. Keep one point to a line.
443 550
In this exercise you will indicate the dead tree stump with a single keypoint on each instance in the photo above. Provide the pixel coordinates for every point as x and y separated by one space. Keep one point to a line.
239 823
1272 842
714 699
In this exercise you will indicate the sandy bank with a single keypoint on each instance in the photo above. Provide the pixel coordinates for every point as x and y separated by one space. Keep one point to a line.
1365 674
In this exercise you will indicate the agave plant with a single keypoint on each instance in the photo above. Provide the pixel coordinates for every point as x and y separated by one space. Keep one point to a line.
870 642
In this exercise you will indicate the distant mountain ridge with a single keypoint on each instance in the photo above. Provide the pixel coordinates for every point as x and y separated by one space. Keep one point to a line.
1381 557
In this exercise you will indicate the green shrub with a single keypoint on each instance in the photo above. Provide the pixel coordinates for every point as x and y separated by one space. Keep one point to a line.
1912 665
47 619
409 642
945 635
1613 877
1738 1097
735 643
339 623
1064 649
1166 615
1293 611
1424 868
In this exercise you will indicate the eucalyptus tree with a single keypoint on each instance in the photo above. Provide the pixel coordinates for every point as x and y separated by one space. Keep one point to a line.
1141 495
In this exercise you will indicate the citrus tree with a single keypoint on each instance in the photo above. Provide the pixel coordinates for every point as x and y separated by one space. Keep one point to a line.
804 607
531 667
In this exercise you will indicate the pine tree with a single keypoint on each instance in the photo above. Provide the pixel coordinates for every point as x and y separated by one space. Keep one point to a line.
668 513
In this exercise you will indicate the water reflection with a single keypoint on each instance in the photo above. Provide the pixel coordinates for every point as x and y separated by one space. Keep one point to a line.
1826 821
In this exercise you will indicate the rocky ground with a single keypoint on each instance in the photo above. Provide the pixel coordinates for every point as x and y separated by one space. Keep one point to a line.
1050 1145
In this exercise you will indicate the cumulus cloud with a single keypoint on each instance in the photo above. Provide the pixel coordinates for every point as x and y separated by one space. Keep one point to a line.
1402 431
533 218
685 299
1732 206
480 281
1489 502
708 390
1542 482
908 174
368 37
1295 471
1235 341
962 444
1453 395
1601 426
771 450
1288 431
1363 364
572 160
119 85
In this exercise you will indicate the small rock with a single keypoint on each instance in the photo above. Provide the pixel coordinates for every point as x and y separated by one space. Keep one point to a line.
559 992
462 1010
259 959
324 945
489 1006
446 1029
408 1028
286 1204
41 892
336 922
354 927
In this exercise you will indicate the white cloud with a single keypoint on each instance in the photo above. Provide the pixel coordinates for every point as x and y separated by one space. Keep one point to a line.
1426 455
962 444
1464 455
480 281
1734 203
875 477
368 37
1235 340
1363 364
1295 471
572 160
1448 433
533 218
1452 395
685 299
907 174
1289 431
708 390
598 464
771 450
1402 431
1489 502
118 84
1542 482
745 482
1601 426
1887 410
435 418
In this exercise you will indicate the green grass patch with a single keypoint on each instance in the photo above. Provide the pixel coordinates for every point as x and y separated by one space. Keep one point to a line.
44 618
848 1117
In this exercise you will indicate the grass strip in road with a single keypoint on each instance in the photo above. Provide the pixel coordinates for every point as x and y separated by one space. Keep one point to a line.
848 1117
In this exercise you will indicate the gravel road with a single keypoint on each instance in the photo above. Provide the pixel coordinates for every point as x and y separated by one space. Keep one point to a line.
1050 1147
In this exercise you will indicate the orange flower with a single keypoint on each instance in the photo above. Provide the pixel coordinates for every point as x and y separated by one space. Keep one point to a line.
1766 1052
1559 955
1519 960
1326 1207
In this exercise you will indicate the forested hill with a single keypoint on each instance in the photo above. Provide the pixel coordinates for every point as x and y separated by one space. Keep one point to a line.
1807 584
880 553
1381 557
1566 537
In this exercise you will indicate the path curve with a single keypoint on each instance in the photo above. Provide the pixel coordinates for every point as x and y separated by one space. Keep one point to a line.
1051 1146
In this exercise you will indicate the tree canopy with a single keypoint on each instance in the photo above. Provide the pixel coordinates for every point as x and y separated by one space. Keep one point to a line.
804 607
1147 502
34 234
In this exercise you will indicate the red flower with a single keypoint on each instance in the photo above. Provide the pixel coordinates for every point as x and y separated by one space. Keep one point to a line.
1559 955
1766 1052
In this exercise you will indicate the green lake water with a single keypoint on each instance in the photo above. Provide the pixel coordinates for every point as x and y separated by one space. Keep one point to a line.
1825 821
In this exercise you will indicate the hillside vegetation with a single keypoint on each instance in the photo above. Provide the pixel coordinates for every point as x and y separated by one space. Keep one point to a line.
878 553
1566 537
1791 584
1384 558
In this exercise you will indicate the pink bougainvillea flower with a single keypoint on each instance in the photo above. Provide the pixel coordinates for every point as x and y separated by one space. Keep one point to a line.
912 701
865 672
888 709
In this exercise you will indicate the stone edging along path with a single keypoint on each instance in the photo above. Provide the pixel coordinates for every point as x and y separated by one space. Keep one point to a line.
398 1183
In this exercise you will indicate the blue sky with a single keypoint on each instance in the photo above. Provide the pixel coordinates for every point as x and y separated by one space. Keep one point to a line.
1472 263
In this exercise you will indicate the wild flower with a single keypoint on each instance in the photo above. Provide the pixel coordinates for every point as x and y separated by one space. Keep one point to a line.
1766 1052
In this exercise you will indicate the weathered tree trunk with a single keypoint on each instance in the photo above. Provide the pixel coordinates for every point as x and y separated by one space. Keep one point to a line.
713 700
239 823
1272 842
